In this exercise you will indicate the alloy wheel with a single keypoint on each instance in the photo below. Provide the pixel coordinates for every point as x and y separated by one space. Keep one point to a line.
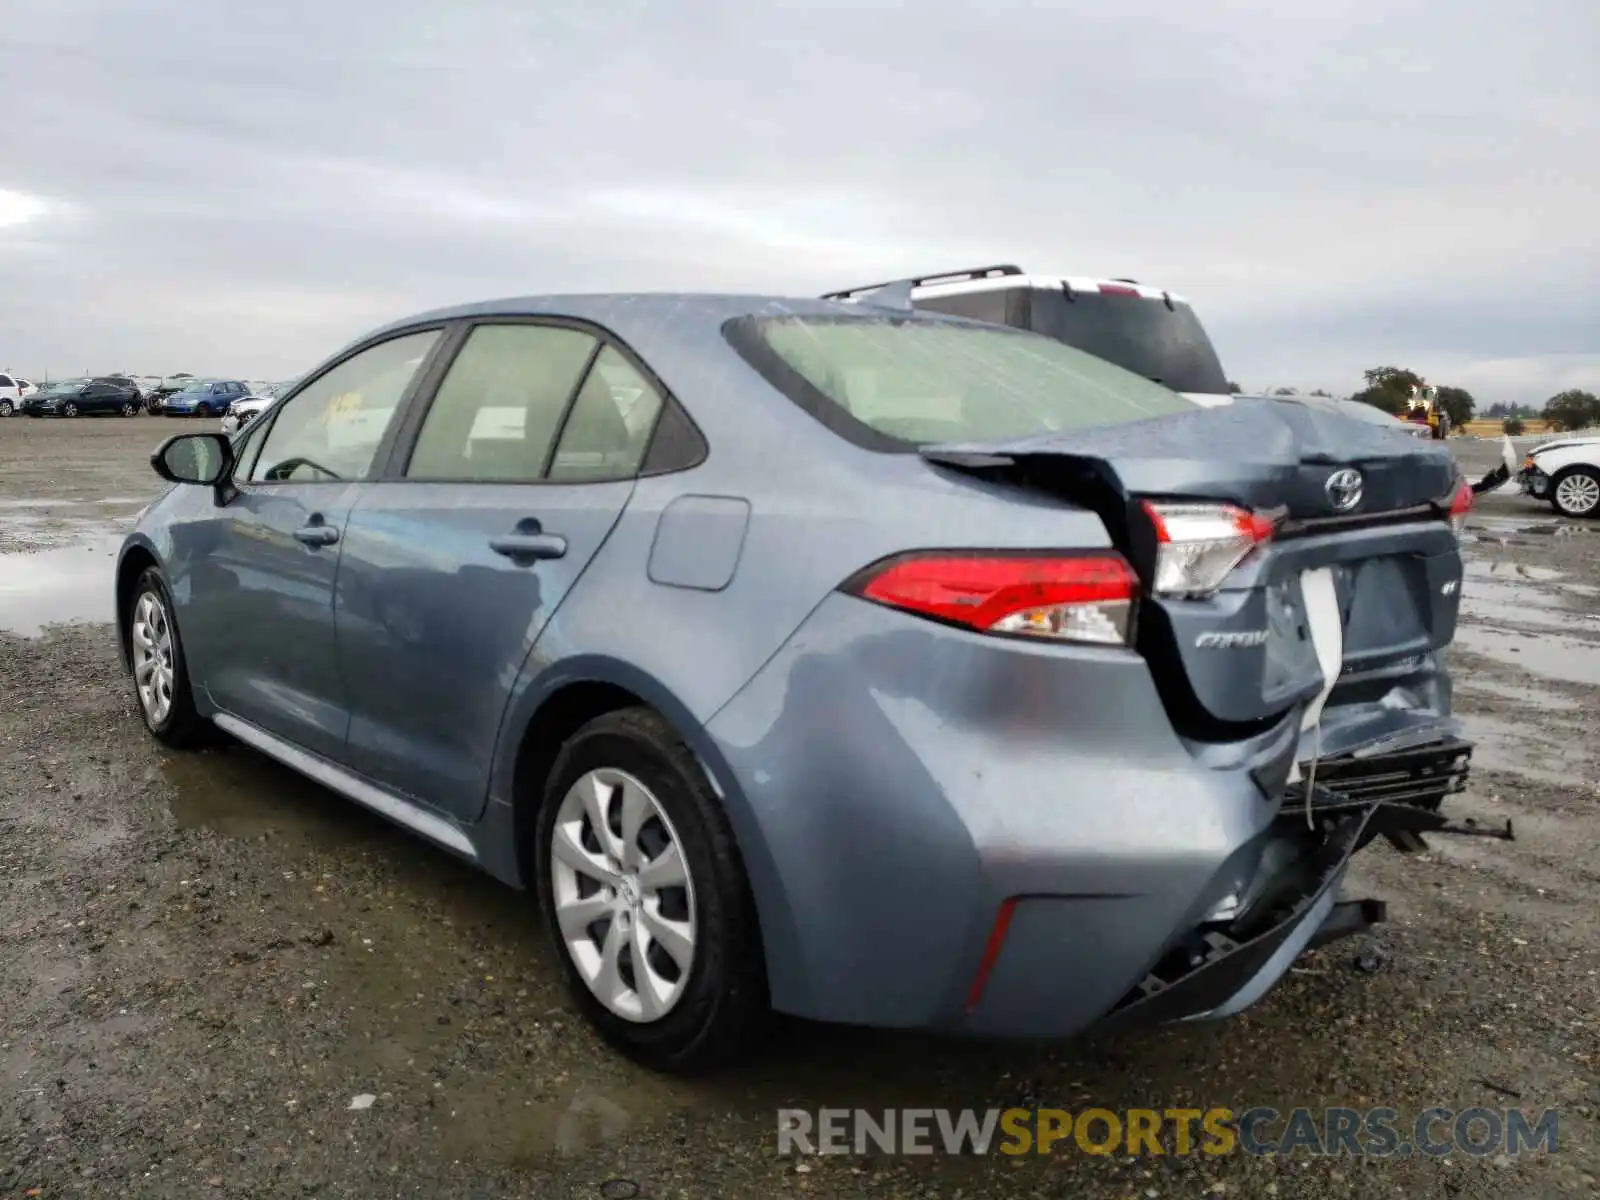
1578 494
69 409
622 894
130 409
153 670
5 408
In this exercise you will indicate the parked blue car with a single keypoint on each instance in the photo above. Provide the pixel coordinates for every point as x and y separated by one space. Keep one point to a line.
204 398
866 665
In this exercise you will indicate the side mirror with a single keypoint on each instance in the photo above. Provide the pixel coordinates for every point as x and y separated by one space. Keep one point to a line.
203 458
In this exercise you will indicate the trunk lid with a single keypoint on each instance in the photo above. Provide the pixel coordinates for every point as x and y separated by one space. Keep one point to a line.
1344 591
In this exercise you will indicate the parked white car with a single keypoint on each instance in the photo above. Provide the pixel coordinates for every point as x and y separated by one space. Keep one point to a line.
1566 472
244 410
13 391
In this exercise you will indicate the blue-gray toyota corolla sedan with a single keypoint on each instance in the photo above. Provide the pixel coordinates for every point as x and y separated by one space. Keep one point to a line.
825 658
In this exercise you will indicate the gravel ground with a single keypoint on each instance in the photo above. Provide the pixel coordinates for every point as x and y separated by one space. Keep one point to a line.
205 958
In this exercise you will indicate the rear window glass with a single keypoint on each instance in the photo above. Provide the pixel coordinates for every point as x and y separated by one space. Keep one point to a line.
897 383
1166 345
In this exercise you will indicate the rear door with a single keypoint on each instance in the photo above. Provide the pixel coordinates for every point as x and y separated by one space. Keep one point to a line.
500 491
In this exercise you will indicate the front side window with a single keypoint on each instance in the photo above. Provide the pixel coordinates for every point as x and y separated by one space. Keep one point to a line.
893 383
332 428
498 409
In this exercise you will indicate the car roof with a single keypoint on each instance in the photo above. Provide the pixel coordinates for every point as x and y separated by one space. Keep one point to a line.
1053 283
613 309
674 332
1008 276
679 338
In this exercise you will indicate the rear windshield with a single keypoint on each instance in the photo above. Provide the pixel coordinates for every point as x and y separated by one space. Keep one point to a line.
894 383
1167 345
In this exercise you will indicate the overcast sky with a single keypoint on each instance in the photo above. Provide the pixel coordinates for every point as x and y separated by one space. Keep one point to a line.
232 188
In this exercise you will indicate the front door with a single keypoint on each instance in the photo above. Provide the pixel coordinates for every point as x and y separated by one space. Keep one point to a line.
268 580
519 471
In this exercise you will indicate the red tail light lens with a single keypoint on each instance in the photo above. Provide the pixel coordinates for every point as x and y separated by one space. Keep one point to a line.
1197 545
1070 598
1461 507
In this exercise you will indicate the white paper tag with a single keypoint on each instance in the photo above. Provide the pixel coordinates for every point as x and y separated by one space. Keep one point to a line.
1327 635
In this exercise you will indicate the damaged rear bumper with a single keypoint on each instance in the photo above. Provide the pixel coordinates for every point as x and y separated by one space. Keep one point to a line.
1222 967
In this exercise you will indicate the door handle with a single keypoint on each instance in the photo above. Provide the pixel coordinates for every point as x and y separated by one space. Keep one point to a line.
529 547
317 534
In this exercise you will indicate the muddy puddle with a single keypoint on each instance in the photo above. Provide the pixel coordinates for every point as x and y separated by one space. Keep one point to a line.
1515 748
1538 700
1549 655
1501 599
238 793
1489 529
61 585
69 501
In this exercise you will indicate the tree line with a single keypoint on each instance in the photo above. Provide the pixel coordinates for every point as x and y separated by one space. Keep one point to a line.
1389 388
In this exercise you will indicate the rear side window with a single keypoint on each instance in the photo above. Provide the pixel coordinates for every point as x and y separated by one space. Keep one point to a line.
498 411
893 383
5 381
1166 345
609 427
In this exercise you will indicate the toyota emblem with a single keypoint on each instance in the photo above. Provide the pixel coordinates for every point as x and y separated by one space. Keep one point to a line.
1344 489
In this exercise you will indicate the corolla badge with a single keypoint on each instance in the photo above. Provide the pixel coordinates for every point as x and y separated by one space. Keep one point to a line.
1344 489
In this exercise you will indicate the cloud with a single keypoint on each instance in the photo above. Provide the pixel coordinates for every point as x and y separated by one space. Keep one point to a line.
1333 183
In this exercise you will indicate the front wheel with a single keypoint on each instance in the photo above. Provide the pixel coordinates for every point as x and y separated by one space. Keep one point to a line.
160 672
69 409
646 898
1576 492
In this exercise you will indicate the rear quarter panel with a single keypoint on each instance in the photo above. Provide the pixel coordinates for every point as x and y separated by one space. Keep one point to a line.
819 510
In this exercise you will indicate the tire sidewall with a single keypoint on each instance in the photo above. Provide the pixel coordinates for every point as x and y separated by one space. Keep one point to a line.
1555 485
630 747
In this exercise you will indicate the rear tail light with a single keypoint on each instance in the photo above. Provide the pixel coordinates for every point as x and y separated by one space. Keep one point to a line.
1197 545
1461 507
1068 598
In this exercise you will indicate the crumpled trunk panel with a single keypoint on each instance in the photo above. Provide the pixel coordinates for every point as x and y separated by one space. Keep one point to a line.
1386 568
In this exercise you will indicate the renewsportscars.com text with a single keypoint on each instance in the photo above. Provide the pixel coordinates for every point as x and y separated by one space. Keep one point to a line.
1369 1133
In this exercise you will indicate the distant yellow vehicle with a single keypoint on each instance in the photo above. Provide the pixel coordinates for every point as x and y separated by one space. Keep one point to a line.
1423 408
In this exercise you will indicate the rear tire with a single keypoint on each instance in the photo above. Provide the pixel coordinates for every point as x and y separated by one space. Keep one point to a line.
700 1014
161 684
130 409
69 409
5 408
1575 492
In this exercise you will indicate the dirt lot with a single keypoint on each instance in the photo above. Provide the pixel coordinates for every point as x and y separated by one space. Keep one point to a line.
204 958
